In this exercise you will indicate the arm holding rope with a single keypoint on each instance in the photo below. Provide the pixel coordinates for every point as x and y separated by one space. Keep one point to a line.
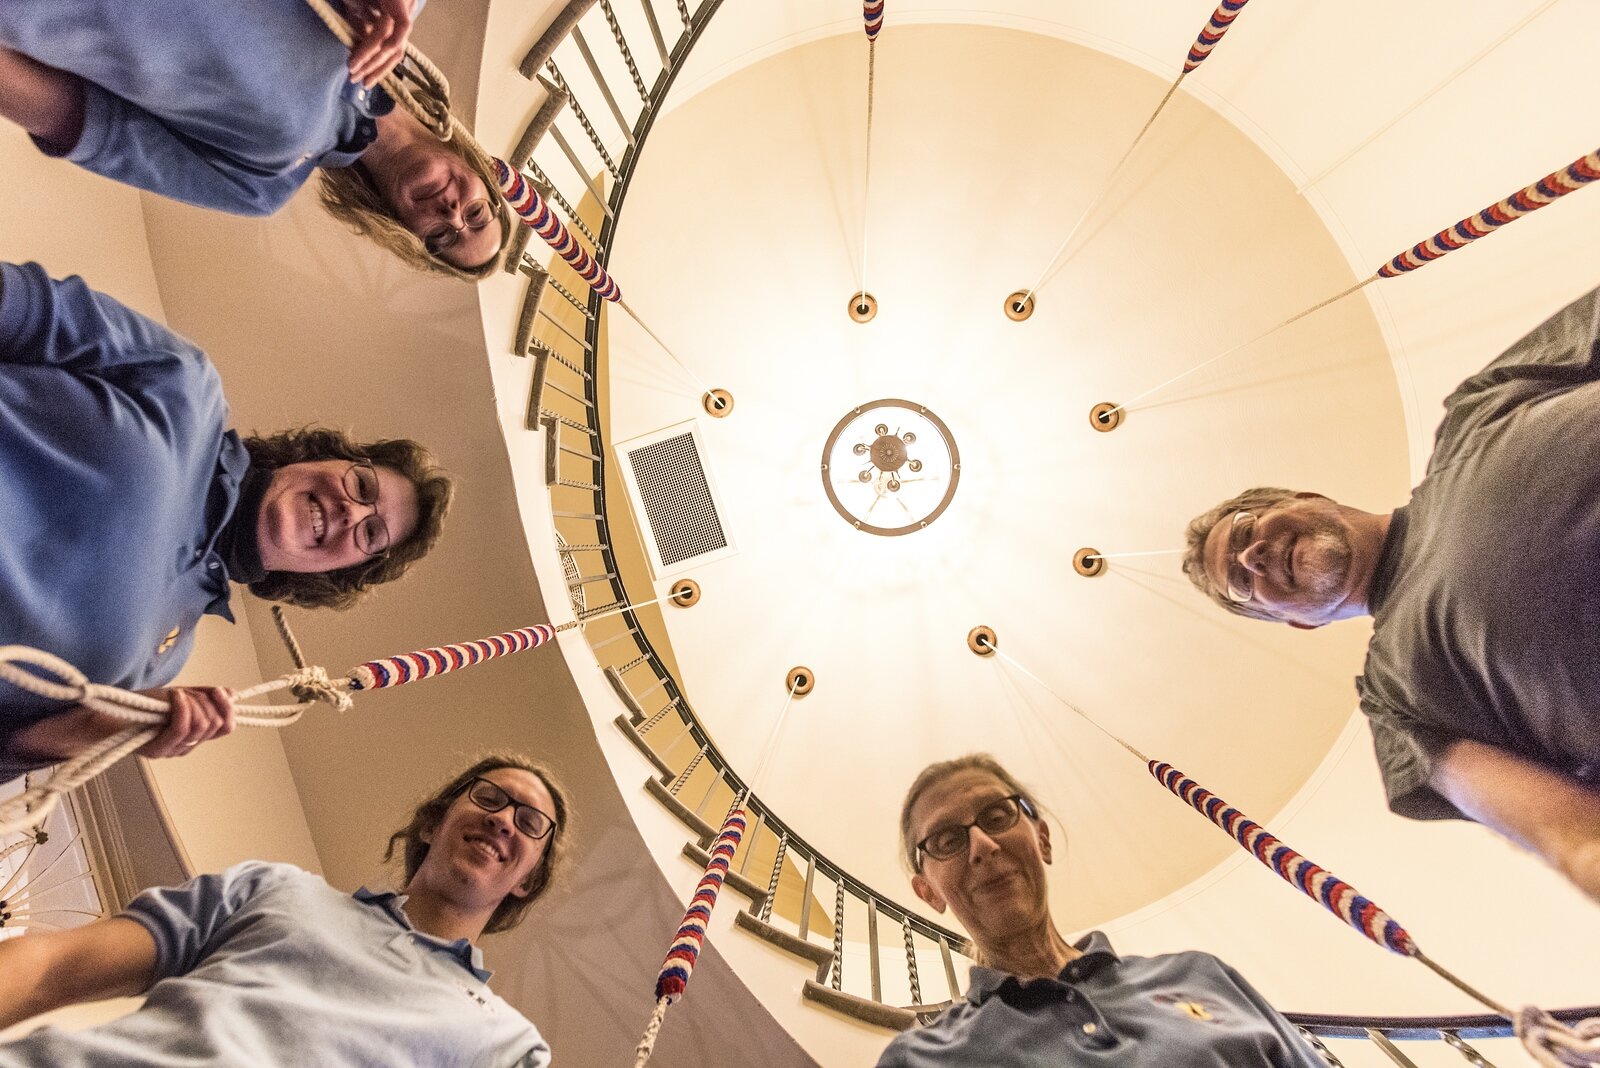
381 28
198 714
1533 805
46 102
47 970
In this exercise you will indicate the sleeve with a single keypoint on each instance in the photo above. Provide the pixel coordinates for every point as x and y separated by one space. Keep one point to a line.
67 325
184 920
1296 1052
127 144
1561 352
1406 754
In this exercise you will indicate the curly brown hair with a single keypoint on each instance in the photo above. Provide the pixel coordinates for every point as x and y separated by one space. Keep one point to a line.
1194 553
350 195
343 588
427 816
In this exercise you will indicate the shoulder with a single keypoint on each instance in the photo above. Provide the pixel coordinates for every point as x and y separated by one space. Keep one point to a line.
937 1042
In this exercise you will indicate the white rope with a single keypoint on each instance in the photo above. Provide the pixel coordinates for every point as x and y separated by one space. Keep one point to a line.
432 106
1207 363
866 192
704 389
647 1042
146 715
983 641
1121 556
1557 1045
1105 189
770 746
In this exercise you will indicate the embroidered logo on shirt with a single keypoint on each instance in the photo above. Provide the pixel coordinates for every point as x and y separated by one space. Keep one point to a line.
1195 1010
169 641
483 1003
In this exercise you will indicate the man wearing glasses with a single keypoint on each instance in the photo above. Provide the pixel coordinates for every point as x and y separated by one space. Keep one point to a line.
1482 679
128 508
266 964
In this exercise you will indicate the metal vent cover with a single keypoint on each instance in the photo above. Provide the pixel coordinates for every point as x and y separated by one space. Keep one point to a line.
674 500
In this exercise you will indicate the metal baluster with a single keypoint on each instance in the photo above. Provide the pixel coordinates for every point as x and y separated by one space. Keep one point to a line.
600 80
559 85
683 776
872 947
566 205
622 46
642 658
1470 1055
577 165
777 872
1381 1040
683 13
1323 1051
655 31
603 642
715 779
911 961
644 728
750 841
838 930
676 738
949 968
576 303
805 897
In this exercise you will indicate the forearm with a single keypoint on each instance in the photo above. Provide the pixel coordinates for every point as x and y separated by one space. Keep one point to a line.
64 735
47 970
46 102
1535 806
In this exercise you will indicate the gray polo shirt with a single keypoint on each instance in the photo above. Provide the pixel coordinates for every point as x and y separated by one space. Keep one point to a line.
1178 1009
266 964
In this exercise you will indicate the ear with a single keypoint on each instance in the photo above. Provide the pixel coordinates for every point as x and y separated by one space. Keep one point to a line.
425 836
1043 830
1305 495
928 893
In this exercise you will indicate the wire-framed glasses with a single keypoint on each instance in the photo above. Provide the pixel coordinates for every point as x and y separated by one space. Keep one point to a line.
1241 580
361 485
475 216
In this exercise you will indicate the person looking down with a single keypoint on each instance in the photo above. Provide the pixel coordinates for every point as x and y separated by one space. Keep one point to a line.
265 964
977 845
1482 678
234 106
129 507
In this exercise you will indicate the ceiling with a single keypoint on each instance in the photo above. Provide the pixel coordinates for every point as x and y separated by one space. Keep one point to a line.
755 186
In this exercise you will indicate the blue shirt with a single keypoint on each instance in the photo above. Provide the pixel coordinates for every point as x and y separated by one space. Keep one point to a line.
266 964
1188 1010
226 105
117 476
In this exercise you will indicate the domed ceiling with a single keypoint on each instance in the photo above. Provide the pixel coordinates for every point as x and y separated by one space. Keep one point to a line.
741 241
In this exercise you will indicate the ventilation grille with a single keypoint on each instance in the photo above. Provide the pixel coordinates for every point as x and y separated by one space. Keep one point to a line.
679 510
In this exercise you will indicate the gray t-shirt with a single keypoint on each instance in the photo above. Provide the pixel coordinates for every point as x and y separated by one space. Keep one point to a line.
1181 1009
266 964
1486 598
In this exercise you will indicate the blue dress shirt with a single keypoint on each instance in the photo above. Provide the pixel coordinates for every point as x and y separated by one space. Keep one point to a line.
225 105
117 476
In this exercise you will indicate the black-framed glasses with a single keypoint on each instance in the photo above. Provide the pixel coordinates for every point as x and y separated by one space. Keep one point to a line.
361 485
475 216
1241 580
994 818
491 798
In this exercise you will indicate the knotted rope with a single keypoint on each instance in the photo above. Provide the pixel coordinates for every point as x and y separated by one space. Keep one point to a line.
687 943
1550 1042
429 104
146 715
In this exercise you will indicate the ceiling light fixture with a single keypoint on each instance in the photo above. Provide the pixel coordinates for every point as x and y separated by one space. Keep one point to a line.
890 467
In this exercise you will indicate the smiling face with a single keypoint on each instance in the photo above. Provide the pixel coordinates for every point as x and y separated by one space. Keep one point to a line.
476 859
1303 560
307 521
997 886
429 188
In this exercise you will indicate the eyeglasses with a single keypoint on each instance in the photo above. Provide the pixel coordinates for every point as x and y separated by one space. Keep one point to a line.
491 798
361 485
476 215
1241 580
993 818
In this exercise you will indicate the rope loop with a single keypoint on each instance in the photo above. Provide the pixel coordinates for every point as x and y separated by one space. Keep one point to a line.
429 102
314 684
1555 1044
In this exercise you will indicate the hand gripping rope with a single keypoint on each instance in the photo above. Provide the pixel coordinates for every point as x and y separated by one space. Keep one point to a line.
691 936
1549 1042
147 714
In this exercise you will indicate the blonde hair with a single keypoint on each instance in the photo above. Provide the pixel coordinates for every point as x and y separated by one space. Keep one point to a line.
351 196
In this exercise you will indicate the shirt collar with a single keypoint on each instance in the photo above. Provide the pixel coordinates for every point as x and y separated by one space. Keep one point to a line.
1388 564
1096 952
393 904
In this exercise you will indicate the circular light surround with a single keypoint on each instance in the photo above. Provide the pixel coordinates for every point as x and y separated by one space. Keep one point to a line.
890 467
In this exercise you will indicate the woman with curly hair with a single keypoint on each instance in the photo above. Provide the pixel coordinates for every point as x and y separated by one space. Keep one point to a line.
130 508
233 106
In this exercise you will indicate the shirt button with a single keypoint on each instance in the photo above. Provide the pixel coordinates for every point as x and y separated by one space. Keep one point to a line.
1089 1029
213 565
198 553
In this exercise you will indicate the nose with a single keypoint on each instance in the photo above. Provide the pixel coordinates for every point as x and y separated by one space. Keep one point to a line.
502 822
1254 557
980 846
